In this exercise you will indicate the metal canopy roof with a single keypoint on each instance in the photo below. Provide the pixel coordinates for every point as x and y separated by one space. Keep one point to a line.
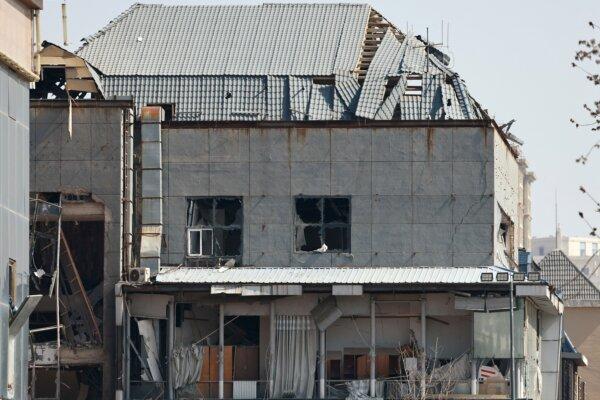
326 276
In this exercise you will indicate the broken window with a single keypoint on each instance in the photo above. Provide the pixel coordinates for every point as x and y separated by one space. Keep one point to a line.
322 224
506 234
214 226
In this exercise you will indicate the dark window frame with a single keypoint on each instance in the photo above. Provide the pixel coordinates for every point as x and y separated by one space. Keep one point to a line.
323 226
212 225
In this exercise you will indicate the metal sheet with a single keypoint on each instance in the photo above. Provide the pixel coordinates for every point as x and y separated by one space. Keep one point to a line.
296 275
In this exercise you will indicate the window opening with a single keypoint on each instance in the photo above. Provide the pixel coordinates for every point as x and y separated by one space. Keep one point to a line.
322 224
414 85
214 226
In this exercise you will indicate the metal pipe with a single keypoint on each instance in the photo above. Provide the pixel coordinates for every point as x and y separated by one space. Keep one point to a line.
272 333
373 353
423 345
513 374
64 23
560 336
57 294
221 350
322 364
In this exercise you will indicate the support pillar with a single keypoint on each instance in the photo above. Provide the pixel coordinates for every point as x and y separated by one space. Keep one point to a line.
272 333
373 354
170 345
221 350
473 377
423 345
322 364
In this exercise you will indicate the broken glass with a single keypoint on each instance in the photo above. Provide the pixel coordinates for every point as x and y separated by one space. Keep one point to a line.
308 210
337 238
308 238
228 212
200 212
336 210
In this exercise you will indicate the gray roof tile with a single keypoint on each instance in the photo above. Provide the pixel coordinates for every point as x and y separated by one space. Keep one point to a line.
219 63
559 271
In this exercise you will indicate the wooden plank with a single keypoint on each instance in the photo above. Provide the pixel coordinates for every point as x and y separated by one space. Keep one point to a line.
72 275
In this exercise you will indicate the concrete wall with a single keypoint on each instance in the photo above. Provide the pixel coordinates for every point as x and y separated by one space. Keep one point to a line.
506 192
418 196
15 33
582 324
14 219
90 161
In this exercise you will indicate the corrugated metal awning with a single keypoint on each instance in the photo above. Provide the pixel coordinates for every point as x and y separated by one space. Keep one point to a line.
326 276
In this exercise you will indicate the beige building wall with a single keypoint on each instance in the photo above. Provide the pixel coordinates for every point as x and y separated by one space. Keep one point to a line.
16 33
582 324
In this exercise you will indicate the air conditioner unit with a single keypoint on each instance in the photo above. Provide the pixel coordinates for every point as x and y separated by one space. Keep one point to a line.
139 275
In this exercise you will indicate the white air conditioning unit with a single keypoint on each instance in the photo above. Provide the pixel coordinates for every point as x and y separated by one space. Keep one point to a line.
139 275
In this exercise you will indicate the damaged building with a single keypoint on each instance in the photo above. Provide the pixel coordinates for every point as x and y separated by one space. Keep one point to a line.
299 209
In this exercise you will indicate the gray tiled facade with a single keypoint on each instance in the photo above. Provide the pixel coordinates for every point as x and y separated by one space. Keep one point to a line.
416 197
88 161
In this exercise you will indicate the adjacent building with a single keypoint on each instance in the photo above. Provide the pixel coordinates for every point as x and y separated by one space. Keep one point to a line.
582 313
17 70
317 202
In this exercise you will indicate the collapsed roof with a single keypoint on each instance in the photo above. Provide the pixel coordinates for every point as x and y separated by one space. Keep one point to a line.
291 62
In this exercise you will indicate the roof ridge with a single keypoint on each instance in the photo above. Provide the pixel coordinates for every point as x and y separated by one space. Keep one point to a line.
88 39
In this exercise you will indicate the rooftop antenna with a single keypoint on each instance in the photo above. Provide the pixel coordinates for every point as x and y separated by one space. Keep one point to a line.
63 7
556 229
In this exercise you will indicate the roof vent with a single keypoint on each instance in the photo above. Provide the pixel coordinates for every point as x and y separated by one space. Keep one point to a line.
414 85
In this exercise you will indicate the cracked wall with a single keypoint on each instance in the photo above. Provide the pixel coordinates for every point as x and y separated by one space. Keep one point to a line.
419 196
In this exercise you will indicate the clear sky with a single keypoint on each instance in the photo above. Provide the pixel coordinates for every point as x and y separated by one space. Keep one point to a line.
515 58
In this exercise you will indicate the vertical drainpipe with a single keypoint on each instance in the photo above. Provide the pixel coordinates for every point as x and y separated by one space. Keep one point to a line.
127 190
151 227
321 363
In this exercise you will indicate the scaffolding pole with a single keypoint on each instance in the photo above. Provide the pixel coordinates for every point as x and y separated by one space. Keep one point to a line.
57 294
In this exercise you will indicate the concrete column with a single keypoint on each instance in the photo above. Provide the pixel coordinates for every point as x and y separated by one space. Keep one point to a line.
170 345
373 353
221 350
126 349
423 344
322 364
272 333
473 377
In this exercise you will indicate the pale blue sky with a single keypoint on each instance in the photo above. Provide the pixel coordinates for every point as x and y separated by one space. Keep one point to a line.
515 58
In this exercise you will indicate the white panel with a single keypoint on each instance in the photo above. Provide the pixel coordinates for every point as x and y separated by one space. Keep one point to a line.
347 290
149 305
469 303
244 389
